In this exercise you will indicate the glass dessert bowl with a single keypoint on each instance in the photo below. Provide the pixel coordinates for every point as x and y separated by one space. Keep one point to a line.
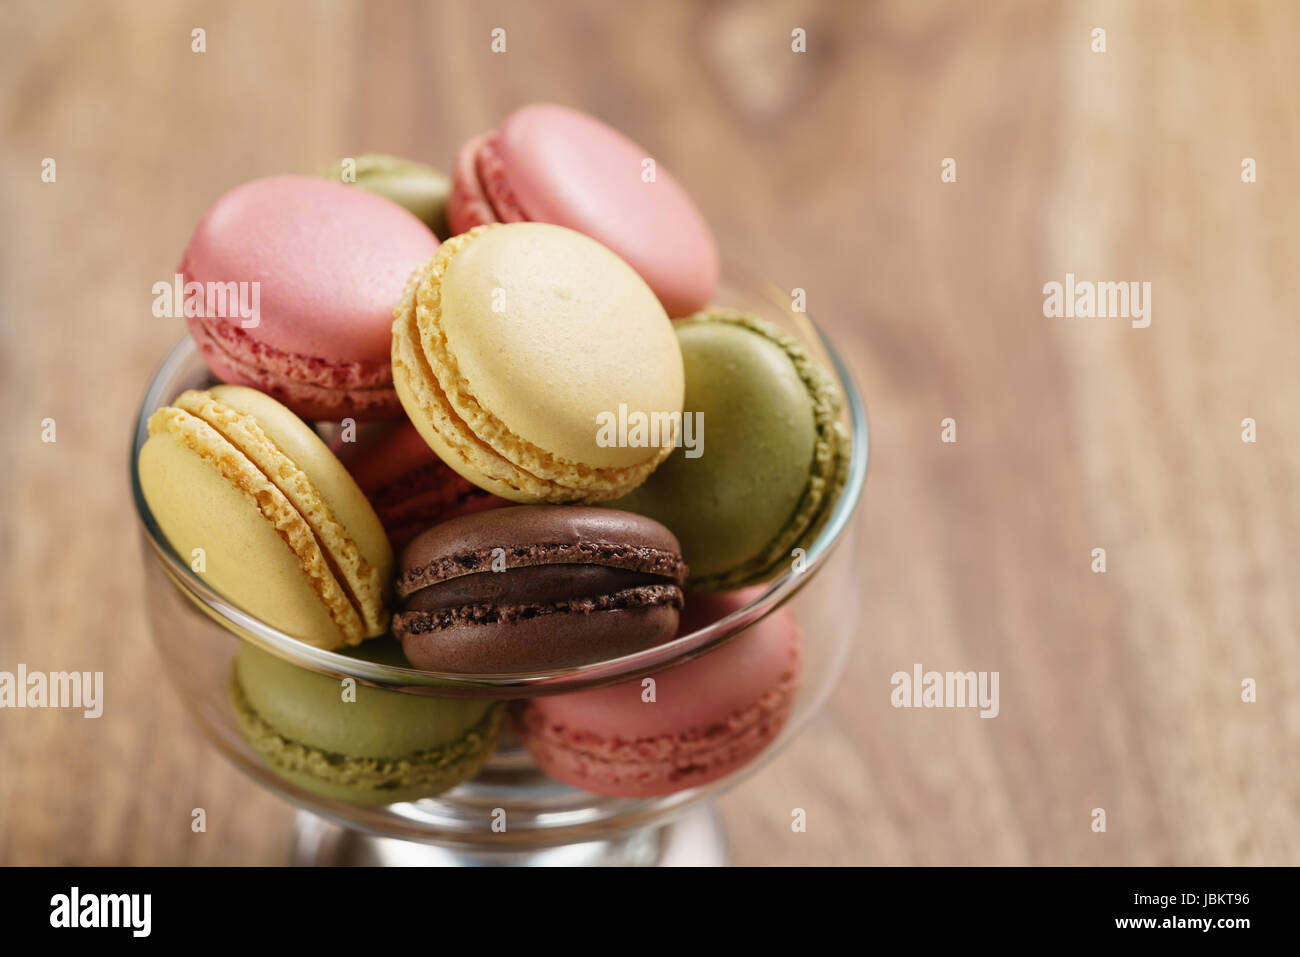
197 632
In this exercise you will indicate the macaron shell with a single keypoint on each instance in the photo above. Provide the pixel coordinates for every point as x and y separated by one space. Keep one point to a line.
494 179
380 748
732 501
382 454
245 557
469 205
262 738
304 447
408 486
312 388
533 535
505 362
577 334
446 434
710 716
303 467
419 189
331 260
430 410
568 168
454 497
309 707
698 694
367 780
427 785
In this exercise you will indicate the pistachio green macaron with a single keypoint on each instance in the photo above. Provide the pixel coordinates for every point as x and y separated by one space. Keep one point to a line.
763 458
419 189
352 742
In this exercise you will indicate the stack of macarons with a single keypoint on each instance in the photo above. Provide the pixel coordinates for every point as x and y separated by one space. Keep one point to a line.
545 450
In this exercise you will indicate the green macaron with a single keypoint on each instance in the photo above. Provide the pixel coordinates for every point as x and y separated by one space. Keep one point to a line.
769 457
358 743
418 188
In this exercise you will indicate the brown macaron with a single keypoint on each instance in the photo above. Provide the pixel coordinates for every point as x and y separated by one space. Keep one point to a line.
537 587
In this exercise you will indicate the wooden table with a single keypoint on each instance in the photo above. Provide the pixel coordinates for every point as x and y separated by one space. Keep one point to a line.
821 170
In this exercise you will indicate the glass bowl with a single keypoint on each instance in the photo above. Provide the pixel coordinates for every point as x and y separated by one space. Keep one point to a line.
197 631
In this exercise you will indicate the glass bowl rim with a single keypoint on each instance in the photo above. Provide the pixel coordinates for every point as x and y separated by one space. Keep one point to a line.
524 684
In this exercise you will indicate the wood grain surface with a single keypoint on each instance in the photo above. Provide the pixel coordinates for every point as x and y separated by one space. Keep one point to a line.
820 170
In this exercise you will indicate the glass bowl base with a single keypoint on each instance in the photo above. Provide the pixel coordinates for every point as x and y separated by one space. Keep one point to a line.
695 838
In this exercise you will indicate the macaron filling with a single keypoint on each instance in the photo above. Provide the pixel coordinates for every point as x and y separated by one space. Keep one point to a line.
531 585
410 623
540 579
636 558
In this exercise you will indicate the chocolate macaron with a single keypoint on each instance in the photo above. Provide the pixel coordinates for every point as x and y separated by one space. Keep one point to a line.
531 588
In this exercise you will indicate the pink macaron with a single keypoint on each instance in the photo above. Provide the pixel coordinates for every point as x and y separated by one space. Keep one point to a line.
328 262
409 487
709 716
553 164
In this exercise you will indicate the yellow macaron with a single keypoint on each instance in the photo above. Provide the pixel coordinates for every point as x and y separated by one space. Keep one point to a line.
521 352
250 496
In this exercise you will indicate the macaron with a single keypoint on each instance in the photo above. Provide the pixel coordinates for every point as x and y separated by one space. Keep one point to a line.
553 164
359 744
522 352
531 588
698 722
255 502
769 454
321 265
419 189
409 487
